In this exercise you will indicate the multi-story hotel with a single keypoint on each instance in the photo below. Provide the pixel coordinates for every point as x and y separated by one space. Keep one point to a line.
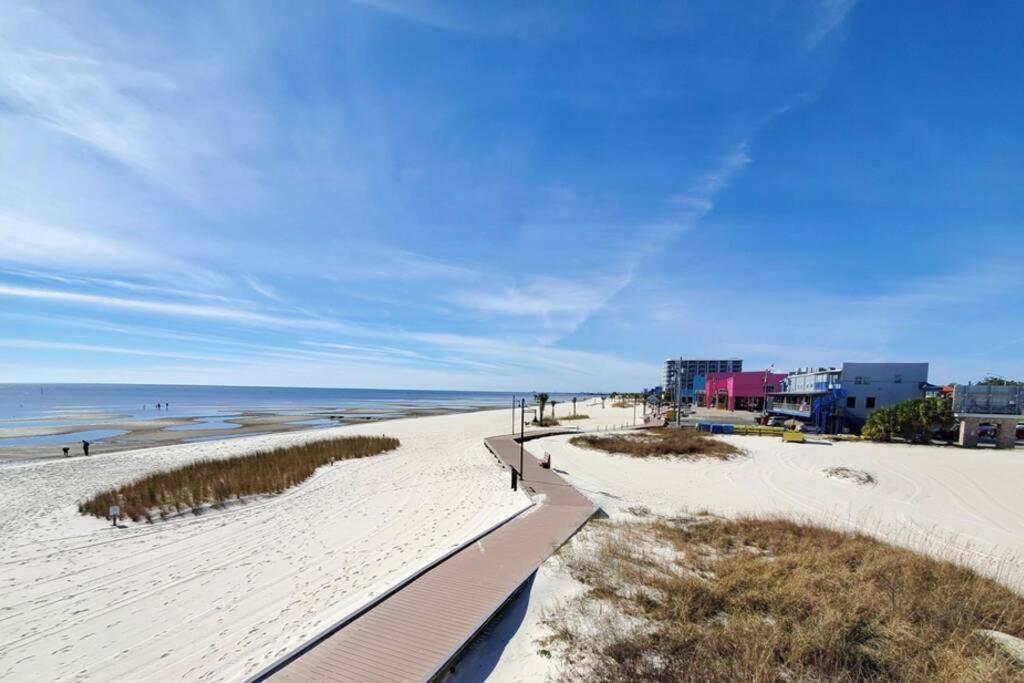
687 376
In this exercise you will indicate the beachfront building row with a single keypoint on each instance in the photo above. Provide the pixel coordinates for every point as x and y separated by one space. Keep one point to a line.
840 399
685 377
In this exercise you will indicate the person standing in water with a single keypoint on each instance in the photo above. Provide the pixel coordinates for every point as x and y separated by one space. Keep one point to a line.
85 446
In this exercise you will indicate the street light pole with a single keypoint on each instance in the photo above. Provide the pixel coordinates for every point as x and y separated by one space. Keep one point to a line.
513 414
522 431
679 391
764 389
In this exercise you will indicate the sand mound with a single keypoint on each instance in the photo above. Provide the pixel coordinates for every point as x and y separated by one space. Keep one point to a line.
856 476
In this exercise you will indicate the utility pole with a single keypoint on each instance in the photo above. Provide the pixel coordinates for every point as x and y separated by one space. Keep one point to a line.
513 414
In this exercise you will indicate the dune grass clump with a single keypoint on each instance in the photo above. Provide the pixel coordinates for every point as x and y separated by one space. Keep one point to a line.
216 482
755 600
577 416
660 443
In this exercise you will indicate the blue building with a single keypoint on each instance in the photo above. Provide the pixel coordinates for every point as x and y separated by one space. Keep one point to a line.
838 399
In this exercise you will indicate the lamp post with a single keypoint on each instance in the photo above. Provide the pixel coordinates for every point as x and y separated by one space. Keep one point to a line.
522 431
513 414
764 390
679 391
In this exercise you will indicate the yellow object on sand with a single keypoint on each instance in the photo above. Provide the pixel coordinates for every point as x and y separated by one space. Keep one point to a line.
796 437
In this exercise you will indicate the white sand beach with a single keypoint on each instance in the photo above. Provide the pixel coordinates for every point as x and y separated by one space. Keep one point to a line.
220 595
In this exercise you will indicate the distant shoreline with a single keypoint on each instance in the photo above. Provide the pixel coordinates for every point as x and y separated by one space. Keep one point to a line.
171 431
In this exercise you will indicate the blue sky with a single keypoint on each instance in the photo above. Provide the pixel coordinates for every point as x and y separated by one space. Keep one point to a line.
507 195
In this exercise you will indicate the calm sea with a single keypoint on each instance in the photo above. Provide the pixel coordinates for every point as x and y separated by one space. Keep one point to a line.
65 402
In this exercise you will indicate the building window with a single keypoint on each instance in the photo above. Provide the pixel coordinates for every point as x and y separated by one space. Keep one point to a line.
858 380
869 402
851 401
867 380
897 379
768 388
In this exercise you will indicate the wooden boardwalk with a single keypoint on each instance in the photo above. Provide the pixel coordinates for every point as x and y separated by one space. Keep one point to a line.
414 633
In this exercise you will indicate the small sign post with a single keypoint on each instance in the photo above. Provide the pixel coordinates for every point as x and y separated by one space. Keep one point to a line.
114 513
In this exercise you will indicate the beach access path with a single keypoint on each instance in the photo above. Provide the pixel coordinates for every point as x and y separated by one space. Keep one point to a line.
414 633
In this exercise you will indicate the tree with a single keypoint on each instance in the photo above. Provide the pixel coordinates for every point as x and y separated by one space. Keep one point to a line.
997 381
913 420
541 400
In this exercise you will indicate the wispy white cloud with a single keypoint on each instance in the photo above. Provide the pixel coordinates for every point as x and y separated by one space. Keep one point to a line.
829 17
372 350
37 344
425 12
222 313
175 118
87 99
558 305
262 289
94 282
357 259
699 199
29 241
585 367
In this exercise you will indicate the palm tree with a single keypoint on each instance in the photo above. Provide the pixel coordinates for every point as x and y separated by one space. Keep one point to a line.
541 400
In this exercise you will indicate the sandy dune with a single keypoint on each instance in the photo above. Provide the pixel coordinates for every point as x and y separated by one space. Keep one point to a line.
957 504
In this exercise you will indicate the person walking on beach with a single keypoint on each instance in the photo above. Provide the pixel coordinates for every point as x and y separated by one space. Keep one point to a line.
85 446
66 450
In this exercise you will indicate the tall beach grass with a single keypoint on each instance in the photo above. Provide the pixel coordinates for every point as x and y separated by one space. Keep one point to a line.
709 599
660 443
215 482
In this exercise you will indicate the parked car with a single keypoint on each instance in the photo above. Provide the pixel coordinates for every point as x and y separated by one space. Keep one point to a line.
777 421
810 429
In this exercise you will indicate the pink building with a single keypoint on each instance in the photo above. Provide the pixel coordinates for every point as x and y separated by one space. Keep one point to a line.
739 390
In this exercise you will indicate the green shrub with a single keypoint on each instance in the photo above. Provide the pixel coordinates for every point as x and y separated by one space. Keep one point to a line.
912 420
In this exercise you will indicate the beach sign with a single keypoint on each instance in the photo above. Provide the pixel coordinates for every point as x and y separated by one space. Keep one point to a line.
114 513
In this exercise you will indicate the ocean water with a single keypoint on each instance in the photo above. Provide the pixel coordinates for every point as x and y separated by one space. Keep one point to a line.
67 403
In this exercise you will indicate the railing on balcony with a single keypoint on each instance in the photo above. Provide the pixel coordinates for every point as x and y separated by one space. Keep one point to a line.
797 409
